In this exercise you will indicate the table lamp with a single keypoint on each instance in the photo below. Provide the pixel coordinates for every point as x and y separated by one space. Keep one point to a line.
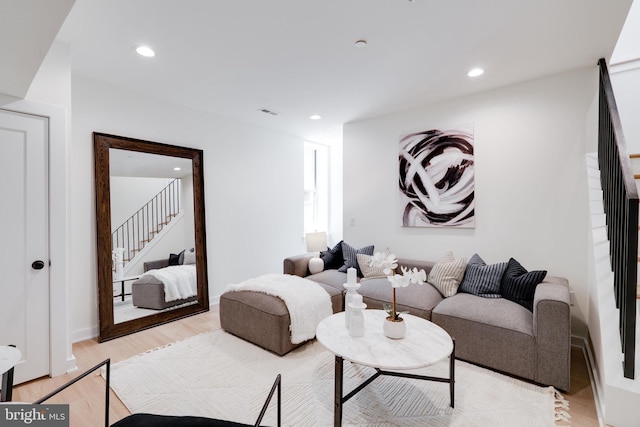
316 242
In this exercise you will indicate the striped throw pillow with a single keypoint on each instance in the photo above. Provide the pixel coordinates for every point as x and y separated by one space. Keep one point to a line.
519 285
369 272
447 274
349 254
482 279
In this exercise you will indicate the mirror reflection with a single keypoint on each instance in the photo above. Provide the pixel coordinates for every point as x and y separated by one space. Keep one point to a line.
152 233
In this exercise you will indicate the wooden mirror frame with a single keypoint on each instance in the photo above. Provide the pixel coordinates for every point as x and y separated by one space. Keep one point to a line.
102 143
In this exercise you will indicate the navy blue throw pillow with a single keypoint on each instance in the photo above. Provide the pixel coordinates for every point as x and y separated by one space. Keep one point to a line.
519 285
176 259
332 258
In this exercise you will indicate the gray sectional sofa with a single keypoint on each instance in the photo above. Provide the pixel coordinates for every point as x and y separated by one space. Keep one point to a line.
495 333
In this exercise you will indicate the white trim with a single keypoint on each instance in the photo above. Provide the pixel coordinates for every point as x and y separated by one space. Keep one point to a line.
84 334
62 360
627 65
598 396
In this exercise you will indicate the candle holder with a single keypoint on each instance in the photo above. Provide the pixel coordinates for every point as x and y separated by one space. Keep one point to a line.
356 322
351 297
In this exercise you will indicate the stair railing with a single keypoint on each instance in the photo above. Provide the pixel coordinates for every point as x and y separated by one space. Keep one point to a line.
621 209
141 227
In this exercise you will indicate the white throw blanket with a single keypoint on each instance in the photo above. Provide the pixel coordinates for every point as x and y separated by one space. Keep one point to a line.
306 301
179 281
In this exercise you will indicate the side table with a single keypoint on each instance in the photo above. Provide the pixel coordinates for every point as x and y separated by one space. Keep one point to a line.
122 293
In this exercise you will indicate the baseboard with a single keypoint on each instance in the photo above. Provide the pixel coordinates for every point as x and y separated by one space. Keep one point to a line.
71 364
84 334
583 345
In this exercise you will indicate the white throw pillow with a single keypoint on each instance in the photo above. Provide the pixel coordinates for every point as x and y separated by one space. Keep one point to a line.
447 274
190 256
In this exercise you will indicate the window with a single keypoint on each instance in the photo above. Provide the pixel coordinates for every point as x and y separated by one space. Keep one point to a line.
316 187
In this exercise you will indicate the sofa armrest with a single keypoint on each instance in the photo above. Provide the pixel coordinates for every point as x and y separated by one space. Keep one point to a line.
552 331
297 265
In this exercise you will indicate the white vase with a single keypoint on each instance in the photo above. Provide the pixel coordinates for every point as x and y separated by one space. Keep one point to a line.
356 322
394 330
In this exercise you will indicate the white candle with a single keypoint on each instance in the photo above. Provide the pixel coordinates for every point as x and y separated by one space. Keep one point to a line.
351 275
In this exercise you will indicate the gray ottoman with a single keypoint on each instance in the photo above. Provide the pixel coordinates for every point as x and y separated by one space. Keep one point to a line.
149 293
263 319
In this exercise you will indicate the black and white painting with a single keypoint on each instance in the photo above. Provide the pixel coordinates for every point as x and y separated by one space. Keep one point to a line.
436 178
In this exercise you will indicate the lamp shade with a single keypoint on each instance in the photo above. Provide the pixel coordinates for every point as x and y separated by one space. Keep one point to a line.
317 241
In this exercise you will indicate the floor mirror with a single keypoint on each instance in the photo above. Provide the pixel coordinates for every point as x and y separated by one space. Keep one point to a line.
151 240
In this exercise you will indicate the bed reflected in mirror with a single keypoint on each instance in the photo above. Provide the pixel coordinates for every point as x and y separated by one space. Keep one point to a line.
150 234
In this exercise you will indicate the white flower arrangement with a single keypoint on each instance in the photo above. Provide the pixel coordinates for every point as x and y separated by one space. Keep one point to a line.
389 264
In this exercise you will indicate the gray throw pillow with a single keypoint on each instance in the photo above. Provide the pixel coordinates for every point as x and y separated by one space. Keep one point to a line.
482 279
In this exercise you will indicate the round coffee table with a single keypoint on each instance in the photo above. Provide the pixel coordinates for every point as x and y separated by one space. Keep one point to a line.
425 344
9 357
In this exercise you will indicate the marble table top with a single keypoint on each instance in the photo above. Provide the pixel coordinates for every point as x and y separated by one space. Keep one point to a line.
9 357
424 344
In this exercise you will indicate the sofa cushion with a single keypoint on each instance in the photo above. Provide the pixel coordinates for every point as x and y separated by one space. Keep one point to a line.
519 285
419 300
349 254
482 279
334 278
333 258
496 333
447 274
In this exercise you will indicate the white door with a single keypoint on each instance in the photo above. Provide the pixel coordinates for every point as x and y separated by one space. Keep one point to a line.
24 240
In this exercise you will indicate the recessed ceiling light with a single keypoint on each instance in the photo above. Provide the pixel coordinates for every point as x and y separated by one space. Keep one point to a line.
145 51
475 72
315 117
360 43
176 169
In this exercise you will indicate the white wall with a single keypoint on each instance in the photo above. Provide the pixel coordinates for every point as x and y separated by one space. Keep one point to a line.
174 238
129 194
531 195
252 182
626 89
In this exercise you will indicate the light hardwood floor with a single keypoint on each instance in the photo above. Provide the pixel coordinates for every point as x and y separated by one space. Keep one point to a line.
86 398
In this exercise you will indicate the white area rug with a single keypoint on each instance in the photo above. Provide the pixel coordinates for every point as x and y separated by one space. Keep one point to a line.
218 375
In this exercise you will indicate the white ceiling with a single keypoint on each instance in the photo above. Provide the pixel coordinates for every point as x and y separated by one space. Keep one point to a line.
135 163
27 29
628 46
298 57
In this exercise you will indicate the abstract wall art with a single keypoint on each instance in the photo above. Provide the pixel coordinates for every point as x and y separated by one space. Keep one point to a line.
436 178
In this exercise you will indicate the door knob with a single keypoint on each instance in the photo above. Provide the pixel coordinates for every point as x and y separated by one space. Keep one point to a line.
37 265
